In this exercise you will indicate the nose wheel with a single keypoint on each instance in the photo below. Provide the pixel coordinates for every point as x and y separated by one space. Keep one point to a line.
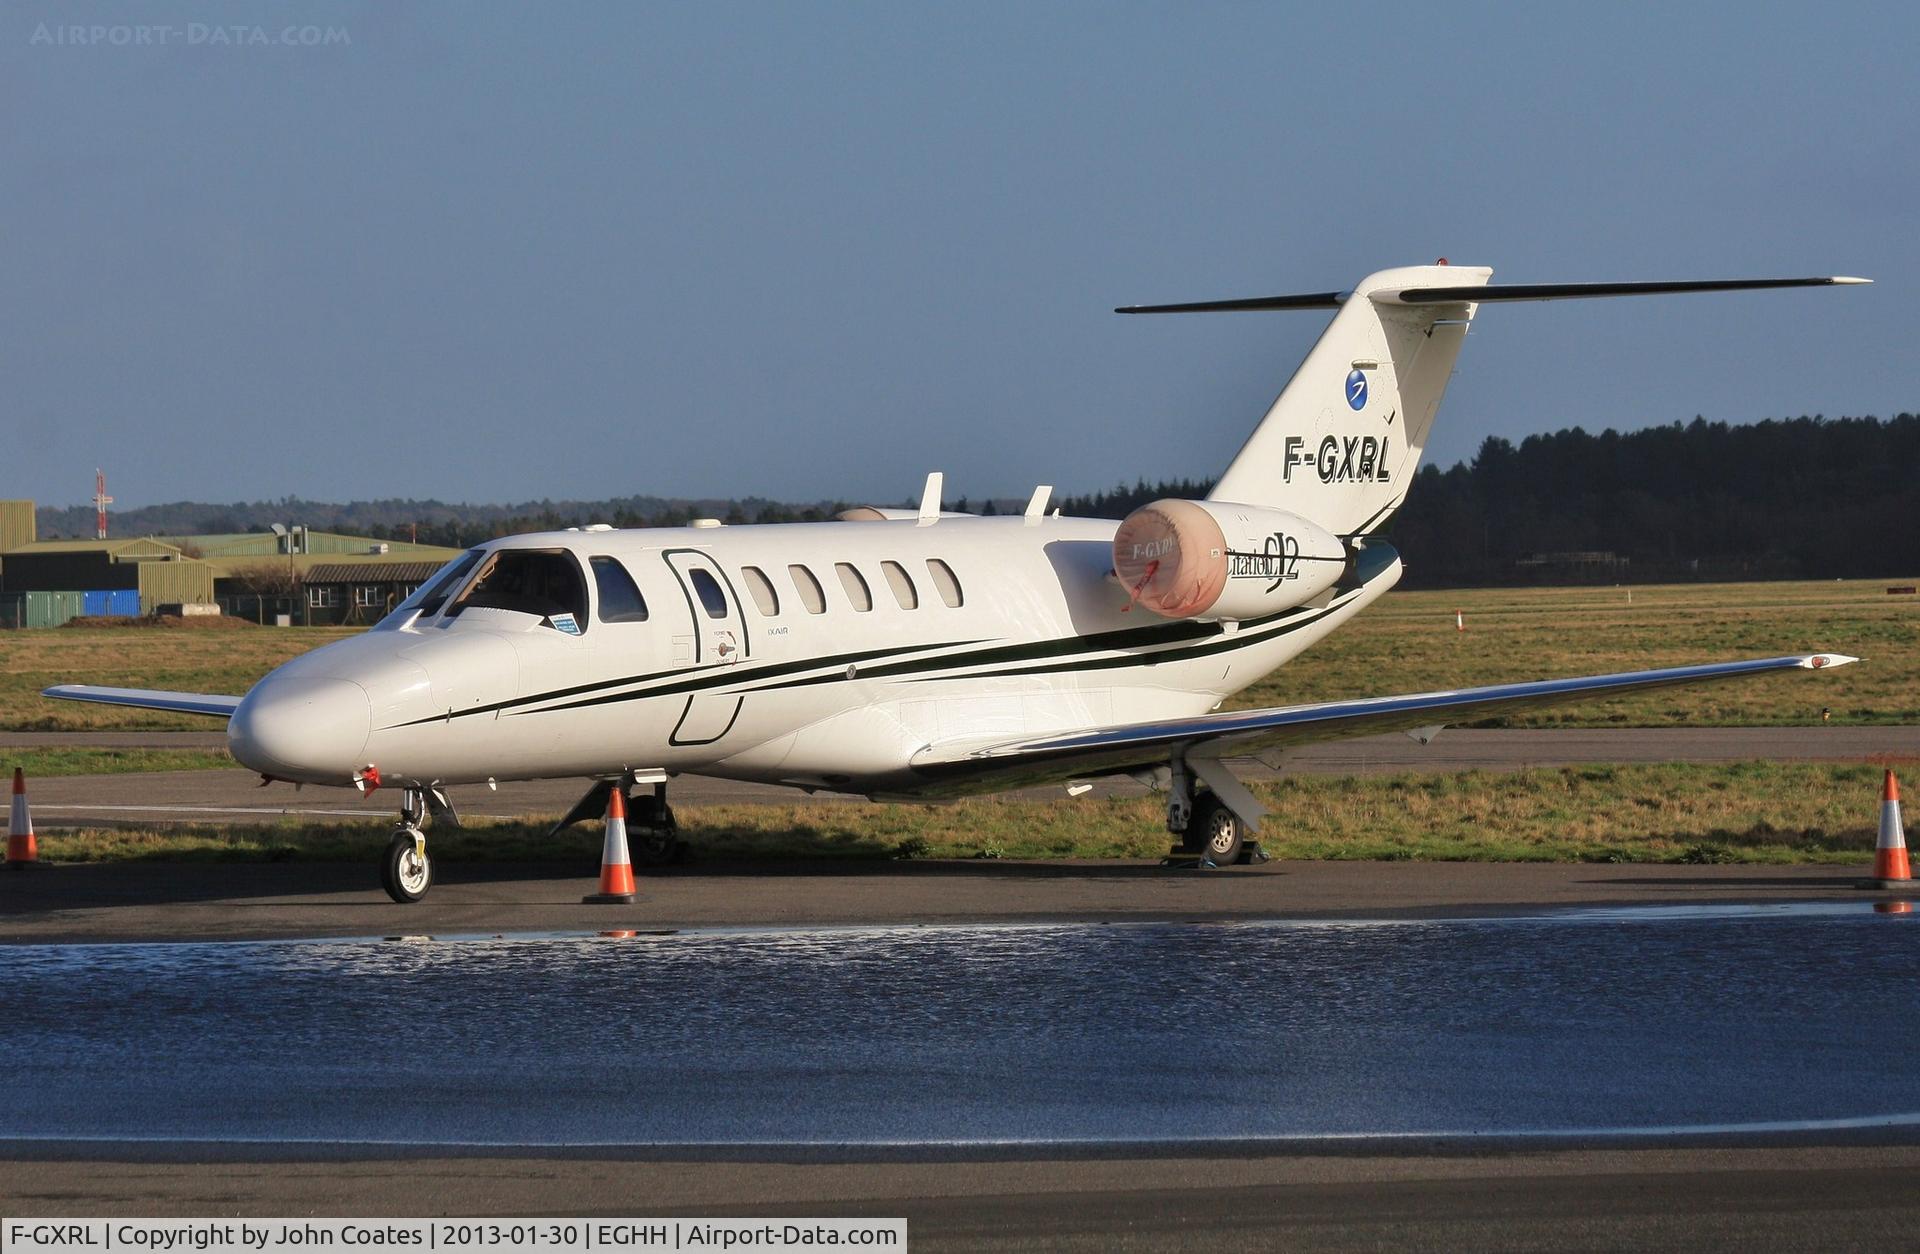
406 872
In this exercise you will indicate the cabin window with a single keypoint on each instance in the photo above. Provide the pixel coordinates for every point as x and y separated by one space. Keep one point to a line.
808 587
944 581
707 588
620 599
902 585
544 582
856 587
761 589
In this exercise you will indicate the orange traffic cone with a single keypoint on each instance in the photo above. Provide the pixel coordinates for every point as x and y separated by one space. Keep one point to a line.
21 848
616 868
1890 866
1459 621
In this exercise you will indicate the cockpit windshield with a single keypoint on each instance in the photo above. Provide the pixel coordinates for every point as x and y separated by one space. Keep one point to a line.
432 594
543 582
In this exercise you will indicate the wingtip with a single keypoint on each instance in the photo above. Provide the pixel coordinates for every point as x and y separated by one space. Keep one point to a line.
1826 661
1848 279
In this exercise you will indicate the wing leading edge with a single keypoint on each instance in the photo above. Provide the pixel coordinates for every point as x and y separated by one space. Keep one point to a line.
1246 732
147 699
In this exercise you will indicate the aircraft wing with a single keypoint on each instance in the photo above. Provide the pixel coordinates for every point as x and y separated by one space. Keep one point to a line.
147 699
1243 733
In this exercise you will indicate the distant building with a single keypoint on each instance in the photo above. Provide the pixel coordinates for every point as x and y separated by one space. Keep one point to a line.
1574 566
47 582
304 542
292 575
289 573
355 593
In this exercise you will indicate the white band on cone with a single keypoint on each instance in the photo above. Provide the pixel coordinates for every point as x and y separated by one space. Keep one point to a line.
614 851
1892 834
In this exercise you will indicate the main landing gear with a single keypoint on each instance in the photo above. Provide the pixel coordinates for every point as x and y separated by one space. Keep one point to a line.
653 834
406 871
1215 832
1215 820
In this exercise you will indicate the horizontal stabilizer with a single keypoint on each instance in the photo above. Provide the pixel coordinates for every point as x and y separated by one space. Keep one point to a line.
1464 294
148 699
1583 291
1257 304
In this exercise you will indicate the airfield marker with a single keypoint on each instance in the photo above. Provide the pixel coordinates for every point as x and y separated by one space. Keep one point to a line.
1459 621
616 867
21 847
1890 866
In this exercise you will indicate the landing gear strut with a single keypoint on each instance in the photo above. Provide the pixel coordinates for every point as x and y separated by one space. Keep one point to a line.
652 831
406 872
1214 826
653 834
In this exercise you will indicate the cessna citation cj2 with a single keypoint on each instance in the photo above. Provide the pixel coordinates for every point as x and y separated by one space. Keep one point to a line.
915 655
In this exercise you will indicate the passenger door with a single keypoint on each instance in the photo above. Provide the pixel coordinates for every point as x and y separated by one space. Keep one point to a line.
714 639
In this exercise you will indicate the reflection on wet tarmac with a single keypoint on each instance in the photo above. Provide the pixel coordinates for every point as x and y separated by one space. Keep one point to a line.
1585 1020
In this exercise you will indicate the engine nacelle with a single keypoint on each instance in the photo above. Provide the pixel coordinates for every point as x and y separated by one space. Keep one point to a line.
1215 560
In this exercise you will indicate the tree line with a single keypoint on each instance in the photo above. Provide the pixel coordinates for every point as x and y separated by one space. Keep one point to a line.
1805 497
1798 498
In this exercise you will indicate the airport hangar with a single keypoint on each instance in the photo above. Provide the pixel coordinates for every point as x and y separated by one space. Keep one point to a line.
288 576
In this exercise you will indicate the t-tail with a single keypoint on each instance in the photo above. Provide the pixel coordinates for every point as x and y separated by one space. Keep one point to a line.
1341 443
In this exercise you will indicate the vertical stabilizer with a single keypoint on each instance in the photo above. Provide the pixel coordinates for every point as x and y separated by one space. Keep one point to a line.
1341 443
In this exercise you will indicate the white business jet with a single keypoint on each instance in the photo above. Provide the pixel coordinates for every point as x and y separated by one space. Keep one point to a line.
919 654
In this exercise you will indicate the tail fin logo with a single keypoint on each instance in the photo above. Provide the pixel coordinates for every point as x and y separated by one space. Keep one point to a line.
1357 390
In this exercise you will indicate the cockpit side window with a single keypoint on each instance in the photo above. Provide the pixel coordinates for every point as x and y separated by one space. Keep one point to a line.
620 600
546 582
431 595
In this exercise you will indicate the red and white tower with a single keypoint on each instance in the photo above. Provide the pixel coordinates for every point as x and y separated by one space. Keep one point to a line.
100 502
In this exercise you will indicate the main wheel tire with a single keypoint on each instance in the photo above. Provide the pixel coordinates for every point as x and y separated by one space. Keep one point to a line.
653 846
1215 831
406 872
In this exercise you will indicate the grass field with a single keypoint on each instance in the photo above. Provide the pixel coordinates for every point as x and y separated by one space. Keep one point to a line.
1744 812
185 659
1406 643
43 763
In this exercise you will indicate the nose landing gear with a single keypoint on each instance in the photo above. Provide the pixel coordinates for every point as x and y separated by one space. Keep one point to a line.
406 872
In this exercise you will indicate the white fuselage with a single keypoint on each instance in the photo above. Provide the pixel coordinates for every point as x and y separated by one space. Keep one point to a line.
1041 639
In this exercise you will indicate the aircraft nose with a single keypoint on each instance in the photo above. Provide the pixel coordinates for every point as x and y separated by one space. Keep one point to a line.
303 729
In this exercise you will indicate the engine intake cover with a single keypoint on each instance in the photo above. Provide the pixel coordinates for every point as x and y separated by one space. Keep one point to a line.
1215 560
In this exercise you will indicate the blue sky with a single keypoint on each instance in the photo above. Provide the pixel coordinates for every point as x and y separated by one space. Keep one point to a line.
504 252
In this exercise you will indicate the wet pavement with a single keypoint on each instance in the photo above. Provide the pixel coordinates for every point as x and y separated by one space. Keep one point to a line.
1764 1022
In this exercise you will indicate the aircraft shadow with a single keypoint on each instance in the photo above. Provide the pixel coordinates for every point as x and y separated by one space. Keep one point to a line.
47 888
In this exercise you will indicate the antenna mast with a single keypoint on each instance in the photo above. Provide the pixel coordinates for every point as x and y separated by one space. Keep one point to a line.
100 502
